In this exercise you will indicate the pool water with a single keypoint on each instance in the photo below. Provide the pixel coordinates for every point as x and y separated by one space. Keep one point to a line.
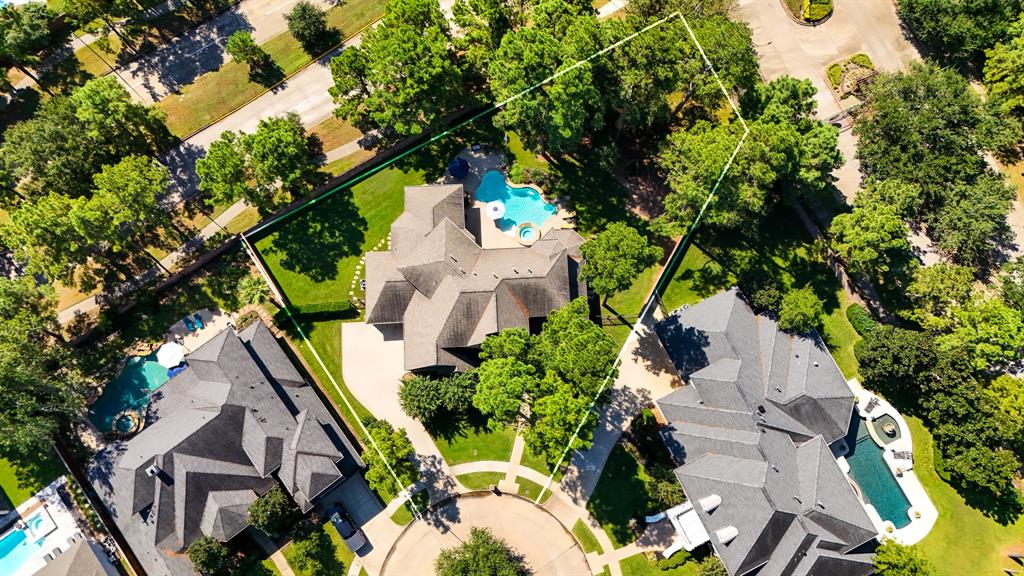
877 484
130 390
522 203
16 549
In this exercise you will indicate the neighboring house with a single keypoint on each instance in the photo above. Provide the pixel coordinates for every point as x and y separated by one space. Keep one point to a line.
448 293
238 420
84 558
752 432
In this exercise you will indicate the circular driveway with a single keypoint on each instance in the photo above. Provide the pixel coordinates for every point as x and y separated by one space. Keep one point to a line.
544 543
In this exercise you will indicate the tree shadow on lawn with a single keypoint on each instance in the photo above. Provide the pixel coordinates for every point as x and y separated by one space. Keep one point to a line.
594 193
314 242
451 427
620 495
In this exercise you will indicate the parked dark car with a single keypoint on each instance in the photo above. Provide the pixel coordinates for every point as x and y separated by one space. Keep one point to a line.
353 537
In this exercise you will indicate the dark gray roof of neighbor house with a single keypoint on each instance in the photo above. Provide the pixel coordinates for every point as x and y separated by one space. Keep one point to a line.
751 431
449 293
84 558
217 434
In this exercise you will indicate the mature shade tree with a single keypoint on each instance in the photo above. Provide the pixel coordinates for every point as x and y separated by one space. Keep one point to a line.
991 332
801 310
210 557
111 118
1004 70
308 24
430 399
388 455
556 417
482 25
24 32
242 48
124 209
576 350
1006 393
614 258
83 12
902 196
936 291
483 554
891 359
310 550
273 513
894 559
972 220
404 76
224 174
1011 283
872 240
509 343
505 387
988 476
691 9
959 32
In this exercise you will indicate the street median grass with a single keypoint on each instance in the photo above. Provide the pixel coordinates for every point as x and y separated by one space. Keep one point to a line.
586 538
220 92
480 480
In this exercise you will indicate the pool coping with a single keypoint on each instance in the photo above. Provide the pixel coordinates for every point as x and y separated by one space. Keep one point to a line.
556 220
923 513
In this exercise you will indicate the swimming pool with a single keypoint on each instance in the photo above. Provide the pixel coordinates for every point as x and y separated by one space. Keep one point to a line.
877 484
15 549
522 203
130 390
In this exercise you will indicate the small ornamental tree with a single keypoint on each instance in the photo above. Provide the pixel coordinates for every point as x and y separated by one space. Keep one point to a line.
308 24
614 258
801 310
210 557
427 399
482 555
242 48
893 559
253 290
390 452
273 513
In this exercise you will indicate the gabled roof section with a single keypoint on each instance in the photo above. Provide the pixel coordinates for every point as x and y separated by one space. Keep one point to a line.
449 293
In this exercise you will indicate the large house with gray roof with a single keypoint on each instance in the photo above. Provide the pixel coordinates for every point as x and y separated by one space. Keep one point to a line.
753 433
448 293
237 421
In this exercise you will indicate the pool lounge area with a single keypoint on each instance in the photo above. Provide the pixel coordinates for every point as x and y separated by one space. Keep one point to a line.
43 529
878 460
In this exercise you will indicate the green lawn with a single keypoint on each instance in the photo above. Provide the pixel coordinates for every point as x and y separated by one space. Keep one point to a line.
530 489
404 514
625 306
472 443
620 495
221 91
963 541
695 280
480 480
336 557
586 538
540 464
639 565
20 478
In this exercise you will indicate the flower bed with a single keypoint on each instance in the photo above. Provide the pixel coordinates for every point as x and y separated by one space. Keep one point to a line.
843 76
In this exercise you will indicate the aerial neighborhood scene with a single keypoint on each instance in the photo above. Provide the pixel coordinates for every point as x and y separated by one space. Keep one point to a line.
512 287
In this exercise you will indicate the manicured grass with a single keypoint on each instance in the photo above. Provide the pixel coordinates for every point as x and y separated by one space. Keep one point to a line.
257 567
695 280
586 538
480 480
539 463
472 443
623 308
346 162
639 565
404 514
523 156
221 91
963 540
530 489
21 477
334 132
339 559
620 495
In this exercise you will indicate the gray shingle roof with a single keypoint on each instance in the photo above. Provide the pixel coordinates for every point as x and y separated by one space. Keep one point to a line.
449 293
218 432
84 558
753 428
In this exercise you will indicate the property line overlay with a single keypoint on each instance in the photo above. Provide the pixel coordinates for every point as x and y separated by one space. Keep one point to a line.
268 277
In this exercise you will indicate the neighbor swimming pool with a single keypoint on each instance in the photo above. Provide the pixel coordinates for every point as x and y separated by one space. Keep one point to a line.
130 390
522 203
877 484
15 549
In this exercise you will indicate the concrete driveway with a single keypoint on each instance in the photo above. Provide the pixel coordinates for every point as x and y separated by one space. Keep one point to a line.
545 544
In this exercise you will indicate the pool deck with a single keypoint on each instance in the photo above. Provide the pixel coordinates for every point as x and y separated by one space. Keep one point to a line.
57 527
214 322
922 512
486 231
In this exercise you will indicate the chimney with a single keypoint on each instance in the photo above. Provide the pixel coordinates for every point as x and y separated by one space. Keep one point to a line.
153 470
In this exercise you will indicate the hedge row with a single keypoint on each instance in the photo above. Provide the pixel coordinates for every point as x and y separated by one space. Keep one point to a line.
861 320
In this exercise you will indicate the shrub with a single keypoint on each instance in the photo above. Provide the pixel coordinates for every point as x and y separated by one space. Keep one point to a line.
711 566
863 60
835 75
815 10
482 555
674 561
763 293
861 320
426 399
245 320
273 513
308 24
801 310
210 557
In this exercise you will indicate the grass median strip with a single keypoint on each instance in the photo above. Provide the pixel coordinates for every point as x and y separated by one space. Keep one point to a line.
217 93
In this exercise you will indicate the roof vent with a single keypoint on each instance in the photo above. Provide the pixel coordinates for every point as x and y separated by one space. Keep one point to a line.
821 504
727 534
774 467
798 500
515 270
153 470
454 259
779 390
760 408
815 364
530 270
710 502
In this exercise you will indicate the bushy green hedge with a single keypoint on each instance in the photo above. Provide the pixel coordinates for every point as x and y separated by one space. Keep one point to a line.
861 320
863 60
674 561
334 307
815 10
835 75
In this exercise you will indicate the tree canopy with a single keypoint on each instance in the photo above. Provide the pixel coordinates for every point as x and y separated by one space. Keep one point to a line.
210 557
959 32
483 554
801 310
614 258
872 240
388 456
893 559
1004 70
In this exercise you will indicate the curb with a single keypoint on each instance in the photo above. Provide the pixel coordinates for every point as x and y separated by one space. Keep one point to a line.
274 86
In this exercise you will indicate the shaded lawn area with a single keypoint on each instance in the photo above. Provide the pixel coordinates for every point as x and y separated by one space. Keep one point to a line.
963 540
404 514
623 308
480 480
334 132
475 441
346 162
784 251
540 464
332 555
221 91
620 495
586 538
639 565
530 489
23 476
254 561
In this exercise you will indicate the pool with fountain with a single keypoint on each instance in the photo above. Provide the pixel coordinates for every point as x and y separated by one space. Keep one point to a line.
525 211
117 409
